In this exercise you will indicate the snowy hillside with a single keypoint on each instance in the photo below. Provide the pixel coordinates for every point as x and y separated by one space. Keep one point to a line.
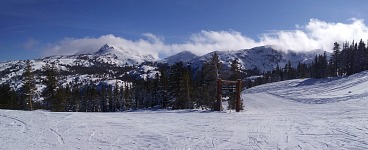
106 64
319 91
263 58
296 114
107 55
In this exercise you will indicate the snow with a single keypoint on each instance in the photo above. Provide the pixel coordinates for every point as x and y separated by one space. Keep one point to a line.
264 58
319 90
145 72
13 77
118 55
183 56
294 114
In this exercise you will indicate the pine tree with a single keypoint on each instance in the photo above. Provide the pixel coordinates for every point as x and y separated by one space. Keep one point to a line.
164 87
288 71
147 94
324 64
344 59
127 99
302 71
155 90
29 86
121 98
137 95
187 89
68 98
360 59
235 75
200 89
235 70
348 55
354 58
208 84
117 97
335 60
177 84
103 98
111 102
8 98
278 74
58 104
96 107
320 66
365 56
74 99
51 84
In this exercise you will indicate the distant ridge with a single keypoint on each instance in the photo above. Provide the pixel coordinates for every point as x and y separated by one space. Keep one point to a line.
183 56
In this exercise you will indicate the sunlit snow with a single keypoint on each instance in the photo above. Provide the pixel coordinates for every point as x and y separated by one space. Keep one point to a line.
286 115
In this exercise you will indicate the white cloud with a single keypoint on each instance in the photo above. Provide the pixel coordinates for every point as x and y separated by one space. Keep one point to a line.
316 34
69 46
30 43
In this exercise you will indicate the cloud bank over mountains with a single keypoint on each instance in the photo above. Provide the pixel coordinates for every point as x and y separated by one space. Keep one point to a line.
316 34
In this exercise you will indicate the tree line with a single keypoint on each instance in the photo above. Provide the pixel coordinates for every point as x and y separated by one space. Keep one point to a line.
178 86
344 61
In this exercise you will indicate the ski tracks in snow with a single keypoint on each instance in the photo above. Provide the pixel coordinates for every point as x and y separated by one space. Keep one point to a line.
305 126
271 120
59 137
54 128
17 122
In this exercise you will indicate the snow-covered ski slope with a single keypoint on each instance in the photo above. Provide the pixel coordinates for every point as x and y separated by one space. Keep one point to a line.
296 114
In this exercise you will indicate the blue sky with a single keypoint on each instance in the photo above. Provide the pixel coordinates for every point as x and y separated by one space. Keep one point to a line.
35 28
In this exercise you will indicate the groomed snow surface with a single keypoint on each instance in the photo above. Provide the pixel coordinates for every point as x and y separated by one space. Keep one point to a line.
297 114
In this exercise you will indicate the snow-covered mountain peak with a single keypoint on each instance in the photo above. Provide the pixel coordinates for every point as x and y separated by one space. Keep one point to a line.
186 53
121 56
183 56
104 49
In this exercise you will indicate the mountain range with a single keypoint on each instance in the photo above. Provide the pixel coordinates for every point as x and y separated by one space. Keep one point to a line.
110 64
